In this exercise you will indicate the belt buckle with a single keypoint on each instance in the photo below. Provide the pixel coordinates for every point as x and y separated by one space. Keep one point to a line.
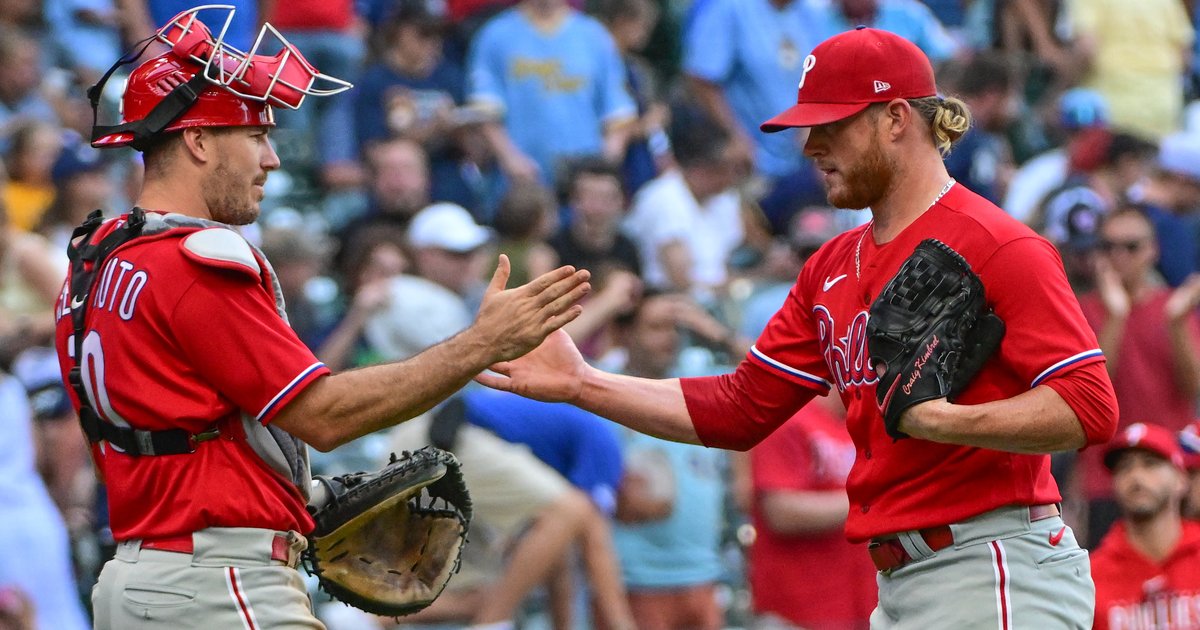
295 543
888 547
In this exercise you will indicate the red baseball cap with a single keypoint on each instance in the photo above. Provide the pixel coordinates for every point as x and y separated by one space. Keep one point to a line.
1147 437
1189 440
850 71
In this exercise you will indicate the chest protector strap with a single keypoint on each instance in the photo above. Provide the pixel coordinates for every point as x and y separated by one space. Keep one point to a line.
87 258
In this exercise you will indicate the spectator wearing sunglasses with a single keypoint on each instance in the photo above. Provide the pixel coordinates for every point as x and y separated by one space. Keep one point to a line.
1148 331
1172 199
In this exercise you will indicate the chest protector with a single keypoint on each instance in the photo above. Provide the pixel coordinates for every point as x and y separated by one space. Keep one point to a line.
282 451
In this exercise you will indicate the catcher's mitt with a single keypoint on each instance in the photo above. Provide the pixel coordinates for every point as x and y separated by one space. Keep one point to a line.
387 542
929 331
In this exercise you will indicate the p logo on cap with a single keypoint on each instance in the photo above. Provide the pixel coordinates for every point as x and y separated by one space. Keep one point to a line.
851 70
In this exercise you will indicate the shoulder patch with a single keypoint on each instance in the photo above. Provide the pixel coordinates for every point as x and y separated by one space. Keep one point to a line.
222 248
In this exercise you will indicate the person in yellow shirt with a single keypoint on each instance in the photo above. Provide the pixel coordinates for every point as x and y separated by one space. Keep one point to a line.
30 190
1136 54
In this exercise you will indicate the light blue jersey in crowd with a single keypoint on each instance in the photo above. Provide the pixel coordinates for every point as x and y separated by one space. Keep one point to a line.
909 19
556 90
682 549
755 52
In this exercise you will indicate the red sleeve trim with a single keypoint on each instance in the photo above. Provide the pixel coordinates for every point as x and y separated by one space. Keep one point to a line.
736 411
1088 390
289 392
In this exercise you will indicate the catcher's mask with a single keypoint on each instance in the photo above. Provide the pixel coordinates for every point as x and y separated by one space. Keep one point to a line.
202 81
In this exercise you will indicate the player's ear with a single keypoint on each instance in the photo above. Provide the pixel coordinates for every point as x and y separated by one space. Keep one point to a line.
897 117
198 143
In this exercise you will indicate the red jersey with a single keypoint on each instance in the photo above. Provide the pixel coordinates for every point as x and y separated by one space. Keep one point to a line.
1143 379
178 340
1135 593
817 340
811 451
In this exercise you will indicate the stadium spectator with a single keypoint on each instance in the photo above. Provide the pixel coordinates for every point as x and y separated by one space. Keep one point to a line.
630 22
799 507
1135 55
1147 569
1103 167
29 160
670 502
524 222
82 184
591 236
398 185
30 280
1079 111
1171 196
447 247
688 221
85 34
742 59
909 19
298 253
583 448
1189 440
1149 334
409 89
330 33
467 172
982 160
34 551
21 100
554 81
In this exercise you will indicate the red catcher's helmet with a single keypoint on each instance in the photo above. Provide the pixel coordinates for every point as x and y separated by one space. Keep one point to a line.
204 82
154 80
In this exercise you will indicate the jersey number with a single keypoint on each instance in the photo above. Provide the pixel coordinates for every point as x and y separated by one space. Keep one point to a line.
92 370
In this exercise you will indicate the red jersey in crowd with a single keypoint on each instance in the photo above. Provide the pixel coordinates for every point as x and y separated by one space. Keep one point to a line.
818 340
312 15
1136 593
156 358
811 452
1143 380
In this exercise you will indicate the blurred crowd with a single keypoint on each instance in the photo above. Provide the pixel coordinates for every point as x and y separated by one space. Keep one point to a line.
619 136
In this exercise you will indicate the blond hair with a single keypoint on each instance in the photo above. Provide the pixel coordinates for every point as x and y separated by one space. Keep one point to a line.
948 119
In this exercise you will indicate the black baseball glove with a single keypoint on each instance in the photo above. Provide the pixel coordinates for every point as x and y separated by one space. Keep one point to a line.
929 331
387 542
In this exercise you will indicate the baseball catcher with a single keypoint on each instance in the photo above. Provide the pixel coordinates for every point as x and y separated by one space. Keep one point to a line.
929 331
387 542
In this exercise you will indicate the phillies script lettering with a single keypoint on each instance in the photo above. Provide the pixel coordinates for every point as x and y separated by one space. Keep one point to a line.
845 356
919 364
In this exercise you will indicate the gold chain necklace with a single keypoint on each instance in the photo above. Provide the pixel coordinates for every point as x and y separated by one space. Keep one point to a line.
858 247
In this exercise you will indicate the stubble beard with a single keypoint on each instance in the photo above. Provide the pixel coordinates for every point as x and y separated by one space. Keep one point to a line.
866 182
227 201
1145 509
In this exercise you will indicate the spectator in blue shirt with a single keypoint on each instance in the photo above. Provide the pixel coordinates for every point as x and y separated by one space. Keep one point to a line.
743 59
556 85
409 89
909 19
1172 199
982 159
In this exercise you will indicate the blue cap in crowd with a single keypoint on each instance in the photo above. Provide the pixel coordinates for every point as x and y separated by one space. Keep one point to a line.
1081 108
76 158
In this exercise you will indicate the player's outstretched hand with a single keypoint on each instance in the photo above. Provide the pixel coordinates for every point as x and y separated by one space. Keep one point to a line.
514 321
552 372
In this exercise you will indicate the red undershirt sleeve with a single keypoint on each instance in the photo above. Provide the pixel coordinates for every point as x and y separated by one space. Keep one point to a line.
736 411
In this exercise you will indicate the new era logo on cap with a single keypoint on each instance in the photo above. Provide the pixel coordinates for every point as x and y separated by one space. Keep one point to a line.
882 86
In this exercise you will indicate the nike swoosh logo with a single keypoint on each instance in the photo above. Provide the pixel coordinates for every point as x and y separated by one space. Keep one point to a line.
1057 536
829 283
76 302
